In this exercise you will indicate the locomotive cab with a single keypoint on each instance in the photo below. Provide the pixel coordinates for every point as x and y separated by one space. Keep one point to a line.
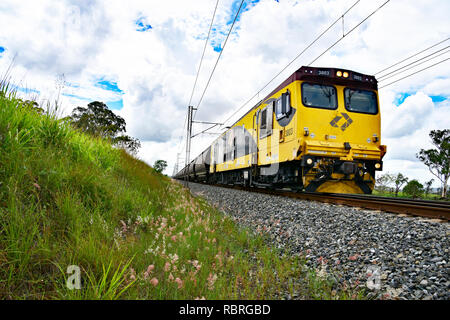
340 121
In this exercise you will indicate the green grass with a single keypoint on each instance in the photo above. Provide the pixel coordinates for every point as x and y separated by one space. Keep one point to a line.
71 199
401 194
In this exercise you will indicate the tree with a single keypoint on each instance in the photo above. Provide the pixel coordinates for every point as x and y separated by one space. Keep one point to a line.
160 165
383 181
428 186
414 189
399 180
128 143
97 120
438 160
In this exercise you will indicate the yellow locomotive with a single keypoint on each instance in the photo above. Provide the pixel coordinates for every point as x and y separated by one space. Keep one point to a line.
318 131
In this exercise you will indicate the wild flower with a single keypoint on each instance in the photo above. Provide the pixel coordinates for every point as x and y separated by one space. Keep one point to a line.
179 282
211 280
196 264
218 257
202 298
174 238
132 274
154 282
171 277
124 226
167 267
150 268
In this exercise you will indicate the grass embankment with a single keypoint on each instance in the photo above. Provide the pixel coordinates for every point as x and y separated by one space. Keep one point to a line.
70 199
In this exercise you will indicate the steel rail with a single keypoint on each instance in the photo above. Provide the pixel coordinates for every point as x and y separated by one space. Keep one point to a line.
422 208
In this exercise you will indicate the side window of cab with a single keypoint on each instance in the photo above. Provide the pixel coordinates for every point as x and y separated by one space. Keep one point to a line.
283 105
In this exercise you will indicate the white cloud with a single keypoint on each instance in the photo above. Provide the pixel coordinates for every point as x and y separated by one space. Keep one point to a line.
89 40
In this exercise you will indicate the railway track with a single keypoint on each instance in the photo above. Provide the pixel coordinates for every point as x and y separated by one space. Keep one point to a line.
421 208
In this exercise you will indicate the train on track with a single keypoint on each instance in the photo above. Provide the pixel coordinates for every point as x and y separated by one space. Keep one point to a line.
318 131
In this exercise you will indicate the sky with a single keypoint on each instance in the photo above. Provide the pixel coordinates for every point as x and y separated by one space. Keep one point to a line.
141 57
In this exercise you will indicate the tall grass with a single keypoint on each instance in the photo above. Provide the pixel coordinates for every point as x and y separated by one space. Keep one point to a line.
67 198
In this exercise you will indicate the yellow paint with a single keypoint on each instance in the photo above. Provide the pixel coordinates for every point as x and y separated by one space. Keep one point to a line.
323 139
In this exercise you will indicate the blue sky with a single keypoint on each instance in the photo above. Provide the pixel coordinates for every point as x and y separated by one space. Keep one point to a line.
401 97
142 25
219 32
106 87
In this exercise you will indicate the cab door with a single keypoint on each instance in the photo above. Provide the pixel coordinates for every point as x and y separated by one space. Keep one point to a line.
265 130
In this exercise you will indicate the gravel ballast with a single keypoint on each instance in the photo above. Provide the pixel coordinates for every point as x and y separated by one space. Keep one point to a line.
393 256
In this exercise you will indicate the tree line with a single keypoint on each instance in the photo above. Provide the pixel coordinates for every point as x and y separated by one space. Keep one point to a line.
436 159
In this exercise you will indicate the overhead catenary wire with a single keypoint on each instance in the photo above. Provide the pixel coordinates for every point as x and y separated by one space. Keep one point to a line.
193 111
414 73
300 54
218 58
203 53
351 30
199 68
414 55
404 69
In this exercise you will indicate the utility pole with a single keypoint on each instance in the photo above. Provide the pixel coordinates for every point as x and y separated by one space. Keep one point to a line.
189 135
175 168
188 139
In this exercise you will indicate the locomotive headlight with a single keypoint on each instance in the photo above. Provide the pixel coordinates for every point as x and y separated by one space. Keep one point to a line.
309 161
345 74
339 73
377 166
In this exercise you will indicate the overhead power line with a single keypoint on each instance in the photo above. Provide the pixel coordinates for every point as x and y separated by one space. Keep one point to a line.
414 55
345 34
296 57
218 58
203 54
199 67
403 69
414 73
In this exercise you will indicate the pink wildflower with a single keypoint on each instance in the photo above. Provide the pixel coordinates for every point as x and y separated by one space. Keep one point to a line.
211 280
171 277
174 238
167 267
133 274
150 268
179 282
154 282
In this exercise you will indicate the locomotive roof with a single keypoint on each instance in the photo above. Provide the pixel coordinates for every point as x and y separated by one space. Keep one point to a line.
323 75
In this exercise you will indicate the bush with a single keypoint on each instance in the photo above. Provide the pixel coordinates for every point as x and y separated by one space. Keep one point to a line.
413 189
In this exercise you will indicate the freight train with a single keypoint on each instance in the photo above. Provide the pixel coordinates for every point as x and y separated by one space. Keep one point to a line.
318 131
